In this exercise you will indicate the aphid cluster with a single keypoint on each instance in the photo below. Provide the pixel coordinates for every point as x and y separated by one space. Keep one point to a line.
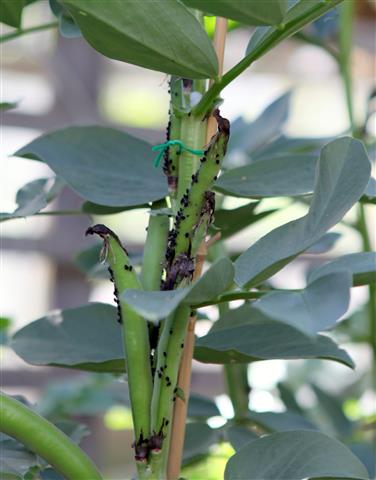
197 206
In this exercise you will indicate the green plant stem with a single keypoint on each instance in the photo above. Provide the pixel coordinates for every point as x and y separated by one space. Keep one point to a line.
229 297
170 349
188 217
281 33
371 305
155 248
344 59
171 165
193 134
25 31
238 388
44 439
236 376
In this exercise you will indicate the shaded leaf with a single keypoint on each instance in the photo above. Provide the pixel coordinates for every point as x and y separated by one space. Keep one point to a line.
313 309
200 406
247 138
290 175
338 186
50 474
332 409
199 437
11 12
34 197
155 305
15 458
299 14
103 165
288 398
281 421
251 12
240 436
246 335
284 145
294 456
86 338
362 266
366 454
162 36
87 261
324 244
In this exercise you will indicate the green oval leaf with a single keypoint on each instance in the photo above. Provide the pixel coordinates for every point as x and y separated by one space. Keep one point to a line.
294 456
313 309
246 335
156 305
86 338
250 12
103 165
338 186
361 265
283 175
34 197
162 36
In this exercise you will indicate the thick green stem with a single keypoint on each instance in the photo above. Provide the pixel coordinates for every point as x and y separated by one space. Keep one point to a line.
155 248
193 134
44 439
172 154
194 196
170 349
281 33
135 338
25 31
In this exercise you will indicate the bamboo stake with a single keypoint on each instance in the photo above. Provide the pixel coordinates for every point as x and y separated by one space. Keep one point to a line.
184 379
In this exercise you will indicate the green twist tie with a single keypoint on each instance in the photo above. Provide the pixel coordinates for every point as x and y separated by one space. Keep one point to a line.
162 147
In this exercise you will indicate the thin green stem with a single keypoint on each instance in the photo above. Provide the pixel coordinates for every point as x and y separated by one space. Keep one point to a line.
270 40
238 388
371 305
229 297
44 439
25 31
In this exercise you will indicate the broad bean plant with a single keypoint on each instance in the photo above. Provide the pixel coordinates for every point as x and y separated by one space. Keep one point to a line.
184 183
